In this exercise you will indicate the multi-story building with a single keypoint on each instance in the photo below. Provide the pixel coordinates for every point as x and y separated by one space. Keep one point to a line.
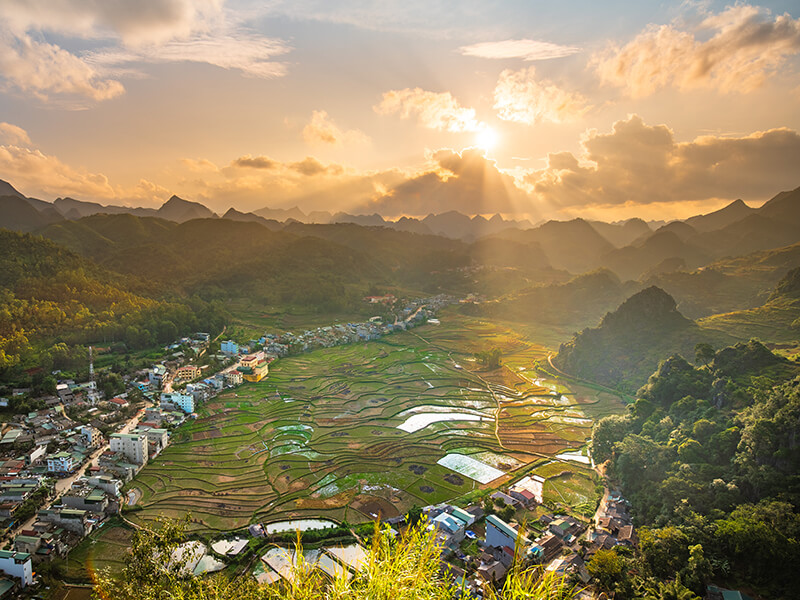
92 436
157 437
233 377
62 462
183 401
187 373
253 367
132 445
17 564
156 376
229 347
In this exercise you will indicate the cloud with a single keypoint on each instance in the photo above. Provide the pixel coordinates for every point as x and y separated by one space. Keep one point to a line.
524 49
309 183
240 51
520 97
467 182
642 164
321 130
254 162
43 69
124 36
746 46
140 22
434 110
13 135
310 166
42 174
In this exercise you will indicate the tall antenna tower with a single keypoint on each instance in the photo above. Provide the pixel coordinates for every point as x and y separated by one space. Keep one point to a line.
92 385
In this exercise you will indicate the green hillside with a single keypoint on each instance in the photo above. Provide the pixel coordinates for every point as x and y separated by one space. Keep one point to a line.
52 298
777 320
627 345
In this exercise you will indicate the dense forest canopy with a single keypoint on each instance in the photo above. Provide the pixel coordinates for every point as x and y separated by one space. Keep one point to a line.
709 458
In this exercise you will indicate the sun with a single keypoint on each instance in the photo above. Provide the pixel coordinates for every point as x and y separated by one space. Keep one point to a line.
486 139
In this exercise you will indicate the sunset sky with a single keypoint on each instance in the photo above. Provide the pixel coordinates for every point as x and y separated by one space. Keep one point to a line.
531 108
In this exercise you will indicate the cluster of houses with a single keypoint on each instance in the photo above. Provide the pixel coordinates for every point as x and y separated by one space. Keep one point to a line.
613 525
561 543
54 531
57 442
547 541
273 345
83 506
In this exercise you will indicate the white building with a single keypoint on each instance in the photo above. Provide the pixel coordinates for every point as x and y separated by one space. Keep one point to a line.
107 484
156 436
132 445
63 462
17 564
183 401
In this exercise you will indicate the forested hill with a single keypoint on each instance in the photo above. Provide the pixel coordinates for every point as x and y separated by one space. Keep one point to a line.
778 319
52 298
629 342
709 458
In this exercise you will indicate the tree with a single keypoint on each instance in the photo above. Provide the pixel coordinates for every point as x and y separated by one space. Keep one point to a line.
507 513
664 550
671 590
698 572
606 567
489 359
414 515
703 354
607 432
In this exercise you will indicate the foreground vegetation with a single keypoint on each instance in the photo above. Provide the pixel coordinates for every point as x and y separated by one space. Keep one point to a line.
407 569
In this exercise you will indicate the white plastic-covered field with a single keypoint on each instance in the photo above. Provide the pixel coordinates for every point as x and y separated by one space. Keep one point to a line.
419 417
469 467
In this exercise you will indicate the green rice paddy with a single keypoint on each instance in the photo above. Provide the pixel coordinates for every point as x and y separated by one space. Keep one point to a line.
319 437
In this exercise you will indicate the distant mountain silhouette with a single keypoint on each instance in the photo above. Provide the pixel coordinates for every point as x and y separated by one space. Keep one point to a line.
663 245
6 189
411 224
576 303
574 245
282 214
622 234
374 220
319 216
180 210
735 211
235 215
456 225
509 253
784 207
75 209
17 213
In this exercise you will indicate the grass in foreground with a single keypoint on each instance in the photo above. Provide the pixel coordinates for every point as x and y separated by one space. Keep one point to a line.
398 570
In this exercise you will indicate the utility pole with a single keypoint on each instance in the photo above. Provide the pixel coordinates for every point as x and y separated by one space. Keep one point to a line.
92 385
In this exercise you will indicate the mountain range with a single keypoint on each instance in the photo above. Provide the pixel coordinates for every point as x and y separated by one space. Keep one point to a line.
631 248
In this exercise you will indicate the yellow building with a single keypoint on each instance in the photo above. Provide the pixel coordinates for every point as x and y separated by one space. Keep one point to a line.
253 367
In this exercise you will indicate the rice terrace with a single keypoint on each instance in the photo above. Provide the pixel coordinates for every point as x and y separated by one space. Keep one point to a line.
358 431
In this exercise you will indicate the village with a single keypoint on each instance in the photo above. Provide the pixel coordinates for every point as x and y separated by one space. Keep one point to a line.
63 467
